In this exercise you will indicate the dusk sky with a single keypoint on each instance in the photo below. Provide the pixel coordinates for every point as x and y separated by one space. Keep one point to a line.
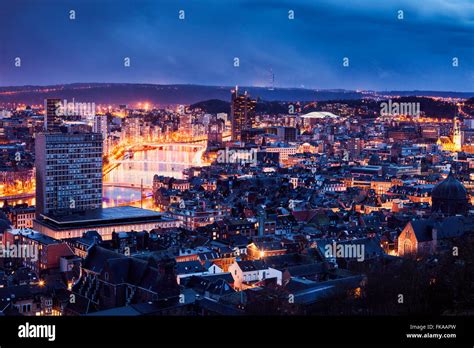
384 53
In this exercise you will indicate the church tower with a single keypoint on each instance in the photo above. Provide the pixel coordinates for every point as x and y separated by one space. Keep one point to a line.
457 135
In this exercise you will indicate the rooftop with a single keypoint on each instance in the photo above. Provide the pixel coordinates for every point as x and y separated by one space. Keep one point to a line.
36 236
248 266
103 217
114 213
320 114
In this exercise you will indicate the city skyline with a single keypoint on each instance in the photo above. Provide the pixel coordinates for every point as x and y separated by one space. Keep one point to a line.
385 52
273 160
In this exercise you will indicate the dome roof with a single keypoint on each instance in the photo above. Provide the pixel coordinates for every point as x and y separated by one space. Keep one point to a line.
449 189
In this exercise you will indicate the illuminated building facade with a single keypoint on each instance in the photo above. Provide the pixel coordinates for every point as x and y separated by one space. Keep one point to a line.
454 143
100 126
68 173
242 112
457 135
104 221
52 121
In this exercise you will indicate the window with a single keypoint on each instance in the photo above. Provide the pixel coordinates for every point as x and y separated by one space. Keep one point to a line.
407 249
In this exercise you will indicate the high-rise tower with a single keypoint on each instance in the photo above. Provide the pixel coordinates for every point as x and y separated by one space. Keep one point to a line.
68 173
242 111
52 120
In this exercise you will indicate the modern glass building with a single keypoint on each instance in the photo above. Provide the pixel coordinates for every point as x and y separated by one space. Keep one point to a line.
52 120
242 111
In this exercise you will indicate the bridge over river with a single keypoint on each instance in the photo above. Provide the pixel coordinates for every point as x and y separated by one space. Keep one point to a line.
141 162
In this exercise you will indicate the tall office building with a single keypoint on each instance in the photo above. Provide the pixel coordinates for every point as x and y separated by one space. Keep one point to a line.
68 173
242 110
52 121
3 134
100 126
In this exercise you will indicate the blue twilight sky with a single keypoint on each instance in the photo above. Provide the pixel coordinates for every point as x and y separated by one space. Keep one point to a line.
384 52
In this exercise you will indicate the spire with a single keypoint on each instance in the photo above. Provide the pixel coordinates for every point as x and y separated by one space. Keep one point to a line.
457 134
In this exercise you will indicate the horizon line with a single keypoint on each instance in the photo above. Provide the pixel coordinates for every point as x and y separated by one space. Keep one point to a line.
358 90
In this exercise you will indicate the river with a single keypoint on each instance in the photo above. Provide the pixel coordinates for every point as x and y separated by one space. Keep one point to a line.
167 161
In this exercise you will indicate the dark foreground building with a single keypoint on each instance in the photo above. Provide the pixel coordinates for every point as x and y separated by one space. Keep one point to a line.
450 197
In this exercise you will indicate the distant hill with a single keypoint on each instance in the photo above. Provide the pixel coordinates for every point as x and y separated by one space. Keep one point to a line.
128 93
213 106
445 94
432 108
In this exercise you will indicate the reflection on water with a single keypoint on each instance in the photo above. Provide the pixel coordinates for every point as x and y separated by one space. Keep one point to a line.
116 196
113 196
169 161
12 202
